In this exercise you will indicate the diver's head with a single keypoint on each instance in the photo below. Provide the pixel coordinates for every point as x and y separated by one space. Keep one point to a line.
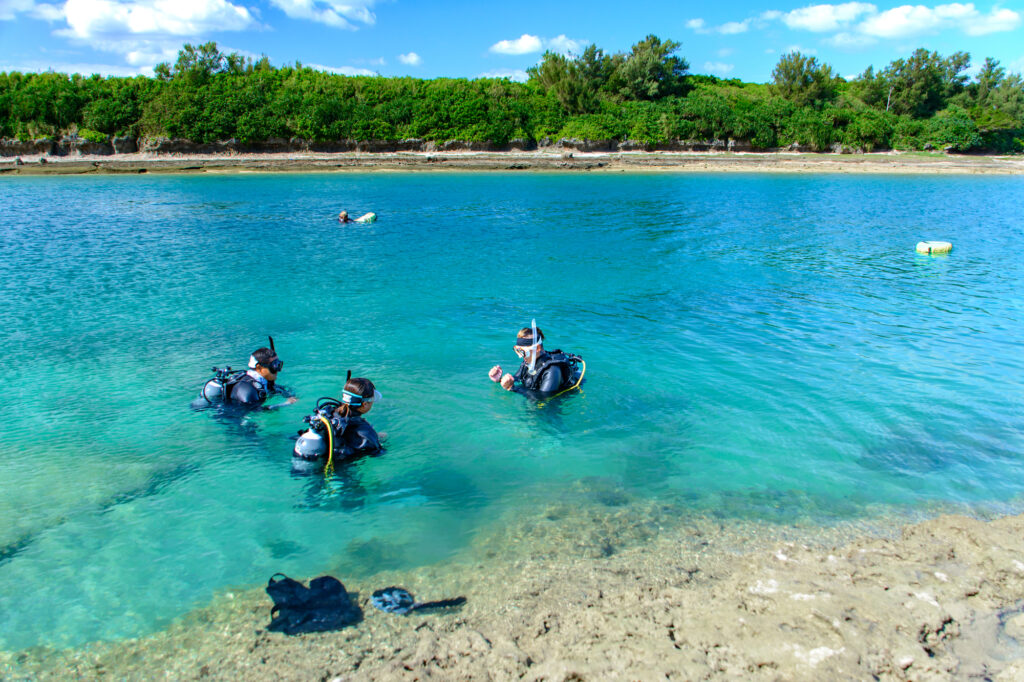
358 397
528 346
266 363
343 216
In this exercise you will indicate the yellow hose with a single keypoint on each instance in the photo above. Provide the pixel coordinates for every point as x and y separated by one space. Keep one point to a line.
578 381
329 469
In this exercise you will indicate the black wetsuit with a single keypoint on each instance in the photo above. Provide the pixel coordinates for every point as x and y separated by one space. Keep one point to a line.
358 438
250 392
552 373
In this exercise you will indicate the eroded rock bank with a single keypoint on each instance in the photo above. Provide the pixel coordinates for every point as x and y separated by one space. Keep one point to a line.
556 597
73 145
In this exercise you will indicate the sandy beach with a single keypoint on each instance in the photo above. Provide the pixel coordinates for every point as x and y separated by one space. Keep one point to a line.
632 591
544 160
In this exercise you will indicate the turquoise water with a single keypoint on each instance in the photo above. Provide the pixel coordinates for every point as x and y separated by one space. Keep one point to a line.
757 346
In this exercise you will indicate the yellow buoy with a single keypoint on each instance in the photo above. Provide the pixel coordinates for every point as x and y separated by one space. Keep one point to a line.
934 247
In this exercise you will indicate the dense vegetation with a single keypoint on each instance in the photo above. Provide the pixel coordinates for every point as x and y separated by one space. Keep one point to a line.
646 95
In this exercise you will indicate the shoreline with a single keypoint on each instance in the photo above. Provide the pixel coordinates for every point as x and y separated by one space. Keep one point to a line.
552 161
632 592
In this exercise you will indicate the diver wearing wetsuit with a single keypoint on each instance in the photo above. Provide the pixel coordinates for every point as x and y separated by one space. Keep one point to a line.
542 373
351 435
251 388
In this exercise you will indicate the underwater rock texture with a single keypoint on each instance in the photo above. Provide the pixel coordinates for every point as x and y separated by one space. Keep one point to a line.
571 595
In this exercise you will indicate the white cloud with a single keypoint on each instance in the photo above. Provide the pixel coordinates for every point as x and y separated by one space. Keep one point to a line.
564 45
85 69
997 20
49 13
334 13
410 58
524 44
725 52
719 68
1016 66
343 70
734 27
11 8
911 20
512 74
850 41
821 18
801 50
91 19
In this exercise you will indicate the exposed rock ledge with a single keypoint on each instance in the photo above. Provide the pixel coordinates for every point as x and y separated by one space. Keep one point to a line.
941 602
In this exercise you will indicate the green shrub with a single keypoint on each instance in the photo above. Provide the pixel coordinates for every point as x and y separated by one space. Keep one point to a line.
93 135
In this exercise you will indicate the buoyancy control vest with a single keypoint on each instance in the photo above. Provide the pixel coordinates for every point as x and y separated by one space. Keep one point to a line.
349 436
235 387
566 362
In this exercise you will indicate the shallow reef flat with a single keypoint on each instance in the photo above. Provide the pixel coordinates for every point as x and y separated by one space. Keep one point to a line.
624 589
781 162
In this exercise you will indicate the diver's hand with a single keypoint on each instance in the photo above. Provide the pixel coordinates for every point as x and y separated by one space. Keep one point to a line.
495 373
507 382
291 401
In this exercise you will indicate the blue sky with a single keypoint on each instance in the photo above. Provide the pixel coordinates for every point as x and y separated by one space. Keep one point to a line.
470 39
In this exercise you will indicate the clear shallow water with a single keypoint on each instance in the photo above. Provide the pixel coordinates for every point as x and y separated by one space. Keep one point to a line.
757 346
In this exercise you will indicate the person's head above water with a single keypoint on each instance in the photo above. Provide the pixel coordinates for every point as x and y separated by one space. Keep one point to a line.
343 217
264 361
526 344
358 397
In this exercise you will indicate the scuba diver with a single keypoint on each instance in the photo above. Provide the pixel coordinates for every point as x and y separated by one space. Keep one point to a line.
337 430
542 374
343 217
248 388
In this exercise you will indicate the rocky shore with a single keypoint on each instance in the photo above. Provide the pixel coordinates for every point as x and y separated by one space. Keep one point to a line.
633 592
782 162
161 155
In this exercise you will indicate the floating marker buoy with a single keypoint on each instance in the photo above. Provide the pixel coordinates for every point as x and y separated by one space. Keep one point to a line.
368 218
934 247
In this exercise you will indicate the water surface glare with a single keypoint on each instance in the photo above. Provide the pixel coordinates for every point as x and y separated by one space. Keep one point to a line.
760 346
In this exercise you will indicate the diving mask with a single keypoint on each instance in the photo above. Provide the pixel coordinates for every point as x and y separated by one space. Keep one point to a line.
275 365
529 343
356 400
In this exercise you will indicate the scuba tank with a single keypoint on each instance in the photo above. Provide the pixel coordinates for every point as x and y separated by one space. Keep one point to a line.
314 442
217 389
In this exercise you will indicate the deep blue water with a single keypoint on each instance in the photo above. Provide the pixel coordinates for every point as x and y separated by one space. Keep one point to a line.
762 346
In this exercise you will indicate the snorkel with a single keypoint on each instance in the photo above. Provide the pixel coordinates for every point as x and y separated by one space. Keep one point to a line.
530 344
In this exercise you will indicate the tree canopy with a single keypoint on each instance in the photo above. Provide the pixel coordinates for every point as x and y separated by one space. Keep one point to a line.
645 95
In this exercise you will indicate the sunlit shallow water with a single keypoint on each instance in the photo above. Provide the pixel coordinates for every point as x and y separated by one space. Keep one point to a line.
758 346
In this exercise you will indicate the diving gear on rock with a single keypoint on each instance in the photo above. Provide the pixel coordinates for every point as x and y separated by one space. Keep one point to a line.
324 605
399 600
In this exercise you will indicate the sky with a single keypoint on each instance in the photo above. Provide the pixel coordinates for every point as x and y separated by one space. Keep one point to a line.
469 38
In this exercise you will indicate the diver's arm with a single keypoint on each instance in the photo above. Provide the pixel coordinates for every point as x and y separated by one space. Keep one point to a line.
290 401
278 389
551 380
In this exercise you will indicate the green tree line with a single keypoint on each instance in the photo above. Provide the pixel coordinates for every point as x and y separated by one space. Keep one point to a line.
646 95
